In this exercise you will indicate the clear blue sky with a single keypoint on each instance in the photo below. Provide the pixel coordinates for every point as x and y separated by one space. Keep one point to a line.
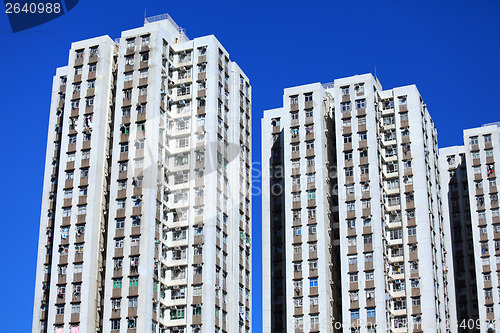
449 49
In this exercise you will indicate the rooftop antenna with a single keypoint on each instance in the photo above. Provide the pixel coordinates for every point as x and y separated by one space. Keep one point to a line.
375 71
144 15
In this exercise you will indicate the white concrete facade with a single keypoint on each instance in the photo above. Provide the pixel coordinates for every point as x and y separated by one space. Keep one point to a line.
73 203
457 219
482 150
309 301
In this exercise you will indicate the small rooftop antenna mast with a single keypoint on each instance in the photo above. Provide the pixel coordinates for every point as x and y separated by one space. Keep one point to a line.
144 15
375 71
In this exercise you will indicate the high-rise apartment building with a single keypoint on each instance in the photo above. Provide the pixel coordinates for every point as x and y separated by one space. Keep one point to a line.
384 215
300 261
457 216
477 261
146 205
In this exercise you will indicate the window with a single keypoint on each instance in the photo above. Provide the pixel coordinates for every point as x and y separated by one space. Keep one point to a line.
135 241
116 303
66 211
369 275
353 277
145 40
359 88
349 172
119 243
120 224
124 147
75 308
115 324
77 268
144 56
82 210
364 169
120 203
139 144
85 154
393 200
313 282
370 312
128 77
367 239
78 70
392 184
311 195
487 138
84 172
118 263
354 314
79 248
61 290
348 155
139 163
79 54
349 189
297 302
360 104
177 313
345 90
117 283
60 309
92 67
308 97
396 233
132 302
474 140
68 194
129 60
346 106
